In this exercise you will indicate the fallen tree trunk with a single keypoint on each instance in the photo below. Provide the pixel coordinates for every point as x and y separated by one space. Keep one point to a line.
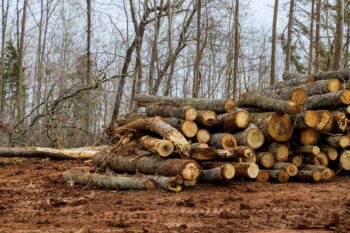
187 128
17 160
275 126
133 162
157 125
173 184
222 173
185 113
162 147
216 105
268 103
252 136
46 153
329 100
234 121
118 182
222 141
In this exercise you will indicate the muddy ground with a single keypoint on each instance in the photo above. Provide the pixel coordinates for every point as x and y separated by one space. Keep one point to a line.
34 198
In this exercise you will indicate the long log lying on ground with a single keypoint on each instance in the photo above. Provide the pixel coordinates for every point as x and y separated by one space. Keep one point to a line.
222 173
162 147
268 103
173 183
329 100
46 153
216 105
233 122
292 76
157 125
223 141
185 113
17 160
186 168
118 182
252 136
187 128
275 126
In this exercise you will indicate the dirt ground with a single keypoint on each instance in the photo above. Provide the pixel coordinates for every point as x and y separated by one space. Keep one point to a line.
34 198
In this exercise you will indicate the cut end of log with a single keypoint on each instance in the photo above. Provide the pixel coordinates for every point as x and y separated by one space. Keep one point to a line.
327 174
263 176
241 119
331 152
281 152
265 159
344 141
228 171
189 129
207 118
334 85
191 114
345 97
297 160
309 136
228 141
321 159
344 160
279 175
310 79
165 148
311 118
203 136
253 170
230 105
280 127
291 169
191 171
299 96
255 138
294 107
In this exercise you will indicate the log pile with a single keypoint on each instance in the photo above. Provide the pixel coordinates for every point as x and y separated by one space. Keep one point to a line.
294 131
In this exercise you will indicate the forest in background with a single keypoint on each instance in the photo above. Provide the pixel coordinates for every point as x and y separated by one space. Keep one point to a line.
69 68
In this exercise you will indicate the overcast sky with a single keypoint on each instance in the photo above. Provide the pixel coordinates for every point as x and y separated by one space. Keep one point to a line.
262 10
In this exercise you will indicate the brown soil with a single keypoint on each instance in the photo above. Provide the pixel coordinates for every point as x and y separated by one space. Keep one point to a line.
34 198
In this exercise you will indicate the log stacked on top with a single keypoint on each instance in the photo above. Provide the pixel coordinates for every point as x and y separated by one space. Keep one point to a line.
296 130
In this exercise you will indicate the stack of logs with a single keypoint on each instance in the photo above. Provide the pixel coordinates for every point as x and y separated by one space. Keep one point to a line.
296 130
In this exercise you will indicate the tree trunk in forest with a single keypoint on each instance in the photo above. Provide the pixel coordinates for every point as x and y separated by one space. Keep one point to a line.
268 103
196 71
338 39
289 36
216 105
117 182
274 45
311 40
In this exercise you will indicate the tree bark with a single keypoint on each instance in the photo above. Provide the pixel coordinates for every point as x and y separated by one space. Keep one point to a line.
338 141
274 44
223 141
265 159
289 36
317 35
162 147
184 113
252 136
173 183
234 121
268 103
311 41
218 174
309 176
188 128
216 105
314 150
236 53
242 170
329 100
338 39
290 168
117 182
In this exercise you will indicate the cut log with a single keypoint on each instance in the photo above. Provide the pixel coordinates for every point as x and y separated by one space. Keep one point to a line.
173 184
124 119
234 121
275 126
340 120
293 82
338 141
329 100
280 176
187 128
319 159
297 95
314 150
252 136
338 74
344 160
118 182
185 113
331 152
216 105
186 168
294 76
17 160
46 153
204 154
207 118
190 183
309 136
316 88
203 136
326 172
263 176
243 170
321 120
223 141
268 103
309 175
279 151
290 168
297 160
199 145
265 159
162 147
234 154
157 125
222 173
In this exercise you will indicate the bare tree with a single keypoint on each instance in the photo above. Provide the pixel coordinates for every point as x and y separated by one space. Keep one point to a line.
274 44
338 40
4 15
236 54
311 43
289 36
196 71
317 36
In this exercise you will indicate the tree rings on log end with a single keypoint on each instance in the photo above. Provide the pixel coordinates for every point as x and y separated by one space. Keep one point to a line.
191 114
299 96
203 136
242 119
228 141
345 160
263 176
309 136
255 138
191 171
230 105
345 97
334 85
228 171
280 127
165 148
189 129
